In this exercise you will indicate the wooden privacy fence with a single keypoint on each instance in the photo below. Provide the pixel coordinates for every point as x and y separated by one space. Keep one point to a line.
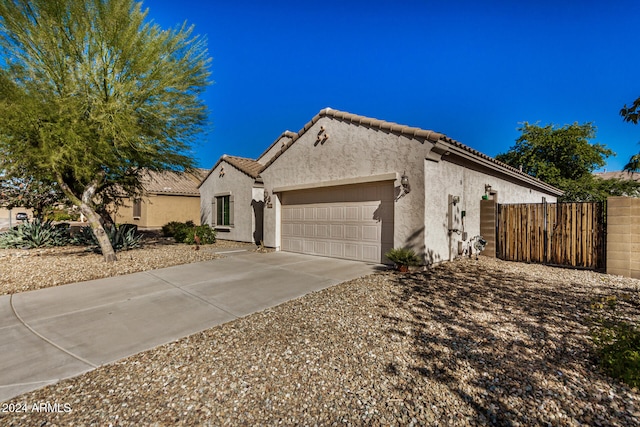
570 234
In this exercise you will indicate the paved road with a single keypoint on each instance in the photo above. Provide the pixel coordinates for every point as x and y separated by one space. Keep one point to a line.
56 333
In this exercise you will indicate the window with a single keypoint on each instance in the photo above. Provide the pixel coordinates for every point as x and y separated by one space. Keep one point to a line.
137 208
224 210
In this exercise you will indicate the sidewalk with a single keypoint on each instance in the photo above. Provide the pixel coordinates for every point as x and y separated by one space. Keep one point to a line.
60 332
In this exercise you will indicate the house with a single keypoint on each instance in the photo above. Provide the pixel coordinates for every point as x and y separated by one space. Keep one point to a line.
169 196
353 187
618 175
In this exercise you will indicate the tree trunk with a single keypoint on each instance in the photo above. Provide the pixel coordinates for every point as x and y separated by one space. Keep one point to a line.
92 217
98 230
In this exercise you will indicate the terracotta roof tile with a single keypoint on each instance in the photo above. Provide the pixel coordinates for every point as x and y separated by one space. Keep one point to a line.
248 166
173 182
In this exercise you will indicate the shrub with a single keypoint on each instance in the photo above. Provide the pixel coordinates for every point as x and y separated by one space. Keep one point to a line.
35 234
403 256
178 230
206 234
618 349
122 238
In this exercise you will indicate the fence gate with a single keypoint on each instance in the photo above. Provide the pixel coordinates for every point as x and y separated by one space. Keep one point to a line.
569 234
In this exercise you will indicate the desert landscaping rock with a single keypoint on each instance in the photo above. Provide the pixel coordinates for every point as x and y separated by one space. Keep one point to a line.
463 343
26 270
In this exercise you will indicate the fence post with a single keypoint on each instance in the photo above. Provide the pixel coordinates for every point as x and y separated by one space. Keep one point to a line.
488 214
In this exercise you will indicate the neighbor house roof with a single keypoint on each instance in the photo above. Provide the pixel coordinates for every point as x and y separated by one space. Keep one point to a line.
618 175
174 183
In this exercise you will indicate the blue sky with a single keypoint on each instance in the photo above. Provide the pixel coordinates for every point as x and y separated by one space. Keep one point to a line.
473 70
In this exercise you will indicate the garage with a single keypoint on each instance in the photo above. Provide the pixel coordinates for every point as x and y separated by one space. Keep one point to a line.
350 222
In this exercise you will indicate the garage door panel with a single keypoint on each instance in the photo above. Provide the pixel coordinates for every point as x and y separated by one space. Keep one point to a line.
371 233
353 223
337 231
322 231
352 232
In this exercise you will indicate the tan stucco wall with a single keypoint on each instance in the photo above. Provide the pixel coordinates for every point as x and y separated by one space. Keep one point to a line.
240 185
158 210
623 236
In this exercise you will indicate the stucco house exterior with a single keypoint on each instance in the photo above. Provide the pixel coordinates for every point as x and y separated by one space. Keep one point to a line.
169 196
353 187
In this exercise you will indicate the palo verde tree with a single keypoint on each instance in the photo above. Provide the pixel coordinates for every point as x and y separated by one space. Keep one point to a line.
566 158
92 93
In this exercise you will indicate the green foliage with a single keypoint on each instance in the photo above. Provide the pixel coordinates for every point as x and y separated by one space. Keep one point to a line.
122 238
178 230
403 256
205 233
591 188
565 158
618 349
617 341
29 193
553 153
35 234
92 92
631 113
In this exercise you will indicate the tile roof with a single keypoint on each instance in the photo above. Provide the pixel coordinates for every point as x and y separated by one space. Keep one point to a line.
618 175
248 166
253 168
175 183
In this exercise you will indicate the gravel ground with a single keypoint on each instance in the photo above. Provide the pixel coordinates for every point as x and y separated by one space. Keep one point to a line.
25 270
464 343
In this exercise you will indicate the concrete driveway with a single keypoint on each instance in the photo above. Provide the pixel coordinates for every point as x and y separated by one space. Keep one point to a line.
56 333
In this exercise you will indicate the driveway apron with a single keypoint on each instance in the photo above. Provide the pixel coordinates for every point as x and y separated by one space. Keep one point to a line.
60 332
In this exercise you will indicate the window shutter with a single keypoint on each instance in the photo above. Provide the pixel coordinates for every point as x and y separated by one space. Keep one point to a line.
214 212
137 208
231 209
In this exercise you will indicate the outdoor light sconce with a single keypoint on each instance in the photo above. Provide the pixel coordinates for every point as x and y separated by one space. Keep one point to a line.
455 200
487 188
404 182
267 196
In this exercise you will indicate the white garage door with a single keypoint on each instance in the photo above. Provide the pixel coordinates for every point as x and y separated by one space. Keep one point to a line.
351 222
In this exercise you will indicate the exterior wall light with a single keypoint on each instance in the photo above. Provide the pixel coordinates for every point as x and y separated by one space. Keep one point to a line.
267 196
487 188
404 182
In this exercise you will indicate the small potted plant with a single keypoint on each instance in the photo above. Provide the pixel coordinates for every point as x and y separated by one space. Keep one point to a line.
402 258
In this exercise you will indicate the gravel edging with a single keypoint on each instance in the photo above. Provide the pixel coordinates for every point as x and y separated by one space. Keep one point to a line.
464 343
26 270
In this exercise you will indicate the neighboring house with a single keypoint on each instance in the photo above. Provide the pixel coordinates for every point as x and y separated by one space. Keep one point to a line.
353 187
619 175
169 196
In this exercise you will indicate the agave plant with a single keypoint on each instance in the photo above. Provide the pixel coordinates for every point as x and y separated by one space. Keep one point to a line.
122 238
35 234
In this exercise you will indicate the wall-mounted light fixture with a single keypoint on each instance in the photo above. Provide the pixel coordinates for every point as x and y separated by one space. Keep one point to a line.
487 188
455 200
404 182
267 196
